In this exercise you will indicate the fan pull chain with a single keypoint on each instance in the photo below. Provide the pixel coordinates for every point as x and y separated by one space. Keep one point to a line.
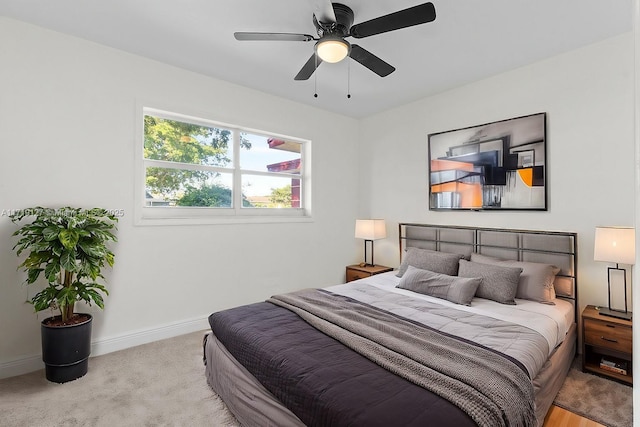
348 79
315 78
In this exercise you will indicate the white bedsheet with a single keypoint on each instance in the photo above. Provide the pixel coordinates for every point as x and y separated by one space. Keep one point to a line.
550 321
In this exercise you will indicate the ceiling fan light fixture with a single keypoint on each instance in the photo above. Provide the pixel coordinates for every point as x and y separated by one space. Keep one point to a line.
332 49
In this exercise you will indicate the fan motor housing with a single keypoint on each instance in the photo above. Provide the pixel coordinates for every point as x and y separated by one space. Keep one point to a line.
344 21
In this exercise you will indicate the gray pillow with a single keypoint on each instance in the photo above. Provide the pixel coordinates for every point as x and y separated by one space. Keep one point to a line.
455 289
498 283
536 280
425 259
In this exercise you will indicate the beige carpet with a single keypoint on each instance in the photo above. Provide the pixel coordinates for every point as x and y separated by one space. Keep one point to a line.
163 384
157 384
602 400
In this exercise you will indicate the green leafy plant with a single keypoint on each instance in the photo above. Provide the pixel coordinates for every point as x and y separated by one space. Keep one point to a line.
68 246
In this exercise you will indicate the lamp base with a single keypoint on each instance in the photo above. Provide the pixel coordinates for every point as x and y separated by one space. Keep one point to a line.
626 315
366 264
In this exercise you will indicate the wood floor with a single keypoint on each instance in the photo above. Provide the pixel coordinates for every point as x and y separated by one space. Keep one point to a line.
558 417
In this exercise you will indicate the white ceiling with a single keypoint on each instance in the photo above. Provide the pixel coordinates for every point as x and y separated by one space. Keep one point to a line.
468 41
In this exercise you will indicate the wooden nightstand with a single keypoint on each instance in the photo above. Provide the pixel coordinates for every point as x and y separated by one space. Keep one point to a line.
355 272
606 338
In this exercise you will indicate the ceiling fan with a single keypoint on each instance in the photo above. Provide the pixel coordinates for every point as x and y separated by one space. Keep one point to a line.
334 22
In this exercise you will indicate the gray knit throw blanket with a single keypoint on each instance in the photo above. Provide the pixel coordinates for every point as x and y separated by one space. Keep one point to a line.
492 390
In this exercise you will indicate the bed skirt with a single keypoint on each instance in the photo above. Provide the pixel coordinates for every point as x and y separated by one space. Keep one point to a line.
250 402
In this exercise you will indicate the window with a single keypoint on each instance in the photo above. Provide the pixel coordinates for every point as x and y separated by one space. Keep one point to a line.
196 169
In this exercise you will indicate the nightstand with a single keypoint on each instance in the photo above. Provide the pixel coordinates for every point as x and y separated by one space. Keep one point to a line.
606 345
355 272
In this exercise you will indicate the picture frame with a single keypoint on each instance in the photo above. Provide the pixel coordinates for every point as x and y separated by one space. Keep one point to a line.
494 166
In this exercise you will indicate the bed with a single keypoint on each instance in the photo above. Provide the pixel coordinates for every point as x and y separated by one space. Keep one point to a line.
423 345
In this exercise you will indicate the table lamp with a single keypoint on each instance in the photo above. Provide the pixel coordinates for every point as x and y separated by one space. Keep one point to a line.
616 245
370 230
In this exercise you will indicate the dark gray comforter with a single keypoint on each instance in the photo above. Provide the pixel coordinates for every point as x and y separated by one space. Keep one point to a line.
321 381
491 389
325 383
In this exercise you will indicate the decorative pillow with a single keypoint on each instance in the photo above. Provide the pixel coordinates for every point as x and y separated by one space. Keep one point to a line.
455 289
536 280
425 259
498 283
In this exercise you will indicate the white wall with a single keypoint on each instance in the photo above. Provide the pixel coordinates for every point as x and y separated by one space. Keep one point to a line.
67 137
588 97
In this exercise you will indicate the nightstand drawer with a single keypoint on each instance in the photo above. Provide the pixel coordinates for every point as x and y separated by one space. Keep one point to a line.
609 335
355 275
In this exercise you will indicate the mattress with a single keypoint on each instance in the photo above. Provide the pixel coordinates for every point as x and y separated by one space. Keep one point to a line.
553 325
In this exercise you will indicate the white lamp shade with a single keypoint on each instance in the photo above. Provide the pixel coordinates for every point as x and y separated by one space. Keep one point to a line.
615 244
370 229
332 50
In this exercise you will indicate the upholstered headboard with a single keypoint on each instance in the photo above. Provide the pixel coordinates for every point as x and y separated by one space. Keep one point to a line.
549 247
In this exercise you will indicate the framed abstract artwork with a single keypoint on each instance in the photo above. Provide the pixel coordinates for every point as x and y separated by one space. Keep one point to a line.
495 166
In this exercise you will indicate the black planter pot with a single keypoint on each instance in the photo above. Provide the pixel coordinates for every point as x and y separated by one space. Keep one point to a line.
65 350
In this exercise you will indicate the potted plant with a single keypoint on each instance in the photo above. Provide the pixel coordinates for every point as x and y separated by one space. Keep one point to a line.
68 247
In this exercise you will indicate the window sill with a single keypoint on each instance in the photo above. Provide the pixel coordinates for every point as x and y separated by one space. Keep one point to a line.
168 218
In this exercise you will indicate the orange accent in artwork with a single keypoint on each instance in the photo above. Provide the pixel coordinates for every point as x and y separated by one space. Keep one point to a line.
445 165
470 194
526 175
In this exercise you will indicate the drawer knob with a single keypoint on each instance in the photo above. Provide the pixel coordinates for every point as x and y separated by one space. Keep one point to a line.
609 339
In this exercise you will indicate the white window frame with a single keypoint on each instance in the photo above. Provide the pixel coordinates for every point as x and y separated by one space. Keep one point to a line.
182 215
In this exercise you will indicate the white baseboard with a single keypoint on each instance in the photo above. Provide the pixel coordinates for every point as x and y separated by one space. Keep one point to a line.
144 336
101 346
21 366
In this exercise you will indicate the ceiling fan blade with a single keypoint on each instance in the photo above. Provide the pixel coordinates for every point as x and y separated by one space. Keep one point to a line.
273 36
308 68
323 11
371 61
415 15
